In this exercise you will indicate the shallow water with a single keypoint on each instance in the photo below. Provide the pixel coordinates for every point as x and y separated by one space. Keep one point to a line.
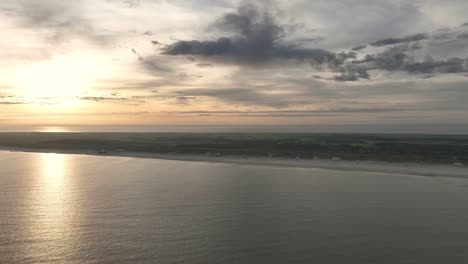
85 209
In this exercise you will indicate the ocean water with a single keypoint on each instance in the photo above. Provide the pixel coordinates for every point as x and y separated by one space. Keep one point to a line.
83 209
447 129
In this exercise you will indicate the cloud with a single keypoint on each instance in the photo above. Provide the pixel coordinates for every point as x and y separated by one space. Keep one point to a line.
102 98
352 75
204 65
320 112
12 103
252 35
347 23
358 48
462 36
453 65
257 38
61 20
151 64
132 3
427 77
402 56
406 39
395 59
244 96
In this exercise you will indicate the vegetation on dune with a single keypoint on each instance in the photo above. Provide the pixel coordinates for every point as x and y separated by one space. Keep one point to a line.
393 148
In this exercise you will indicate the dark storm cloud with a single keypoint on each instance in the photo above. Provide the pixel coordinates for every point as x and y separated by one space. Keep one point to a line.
257 38
406 39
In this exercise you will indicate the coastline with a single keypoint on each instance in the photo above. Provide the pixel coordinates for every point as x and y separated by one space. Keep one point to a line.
428 170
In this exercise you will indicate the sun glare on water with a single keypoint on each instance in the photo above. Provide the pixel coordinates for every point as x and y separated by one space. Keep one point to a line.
59 79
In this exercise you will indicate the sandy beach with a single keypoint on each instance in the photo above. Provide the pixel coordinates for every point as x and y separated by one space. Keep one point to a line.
430 170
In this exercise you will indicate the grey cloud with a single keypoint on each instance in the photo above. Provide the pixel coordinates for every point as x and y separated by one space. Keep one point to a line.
151 64
6 99
392 59
245 96
392 41
453 65
132 100
150 85
62 19
444 33
101 98
427 77
462 36
12 103
352 75
397 59
204 65
312 40
352 23
404 54
132 3
257 38
301 112
202 5
361 47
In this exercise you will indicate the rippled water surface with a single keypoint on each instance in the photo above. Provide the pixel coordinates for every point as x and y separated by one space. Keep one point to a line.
84 209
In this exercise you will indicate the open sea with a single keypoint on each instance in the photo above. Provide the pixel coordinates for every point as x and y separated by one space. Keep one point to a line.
82 209
445 129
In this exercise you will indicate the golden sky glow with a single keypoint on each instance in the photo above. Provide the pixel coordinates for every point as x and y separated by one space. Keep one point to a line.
67 75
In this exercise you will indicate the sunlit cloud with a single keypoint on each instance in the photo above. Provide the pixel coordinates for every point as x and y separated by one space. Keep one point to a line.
194 61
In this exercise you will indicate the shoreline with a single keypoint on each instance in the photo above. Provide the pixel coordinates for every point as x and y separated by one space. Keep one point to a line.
428 170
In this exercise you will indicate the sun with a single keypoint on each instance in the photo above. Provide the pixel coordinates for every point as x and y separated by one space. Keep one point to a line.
59 78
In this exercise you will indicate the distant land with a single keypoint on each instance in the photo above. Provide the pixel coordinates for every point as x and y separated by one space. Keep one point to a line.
427 149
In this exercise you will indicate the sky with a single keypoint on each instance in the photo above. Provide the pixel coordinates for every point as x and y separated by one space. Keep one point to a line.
133 62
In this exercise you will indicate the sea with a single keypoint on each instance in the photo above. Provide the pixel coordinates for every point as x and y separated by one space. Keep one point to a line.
80 209
446 129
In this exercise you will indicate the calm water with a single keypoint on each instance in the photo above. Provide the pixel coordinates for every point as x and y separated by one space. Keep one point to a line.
446 129
83 209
